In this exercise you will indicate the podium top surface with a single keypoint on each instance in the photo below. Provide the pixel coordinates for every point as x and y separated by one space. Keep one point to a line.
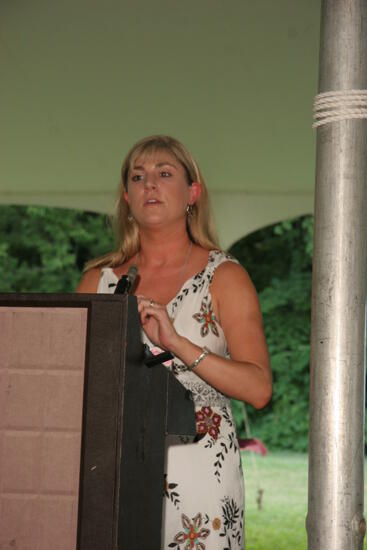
58 299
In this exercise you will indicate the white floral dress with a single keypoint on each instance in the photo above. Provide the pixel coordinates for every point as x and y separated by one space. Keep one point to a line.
203 505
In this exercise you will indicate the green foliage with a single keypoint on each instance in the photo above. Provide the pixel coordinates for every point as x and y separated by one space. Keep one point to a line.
45 249
279 261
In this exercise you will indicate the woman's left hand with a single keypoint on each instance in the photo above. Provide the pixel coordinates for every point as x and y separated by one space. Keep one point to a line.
156 323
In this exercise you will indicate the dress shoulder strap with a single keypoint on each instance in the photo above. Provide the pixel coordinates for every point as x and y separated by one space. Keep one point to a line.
107 281
216 258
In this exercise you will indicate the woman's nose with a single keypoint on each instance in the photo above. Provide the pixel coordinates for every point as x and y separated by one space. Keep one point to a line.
150 181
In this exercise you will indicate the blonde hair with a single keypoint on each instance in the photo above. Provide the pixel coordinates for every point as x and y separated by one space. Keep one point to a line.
200 222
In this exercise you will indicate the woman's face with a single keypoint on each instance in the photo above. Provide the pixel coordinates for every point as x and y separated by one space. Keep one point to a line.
157 190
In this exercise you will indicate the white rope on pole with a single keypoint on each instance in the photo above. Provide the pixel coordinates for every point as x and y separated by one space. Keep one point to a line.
339 105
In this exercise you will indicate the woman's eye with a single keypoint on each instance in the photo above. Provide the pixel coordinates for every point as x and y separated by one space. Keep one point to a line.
137 177
165 174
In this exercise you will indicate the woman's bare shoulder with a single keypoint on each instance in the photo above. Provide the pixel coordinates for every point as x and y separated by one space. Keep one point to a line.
89 282
233 289
231 273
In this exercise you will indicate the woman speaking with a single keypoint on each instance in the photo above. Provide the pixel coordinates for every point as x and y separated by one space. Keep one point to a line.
198 303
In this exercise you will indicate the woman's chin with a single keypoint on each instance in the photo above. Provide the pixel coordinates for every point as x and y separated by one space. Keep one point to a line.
153 223
160 219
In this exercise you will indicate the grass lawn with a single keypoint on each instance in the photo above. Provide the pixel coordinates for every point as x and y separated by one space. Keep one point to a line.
280 525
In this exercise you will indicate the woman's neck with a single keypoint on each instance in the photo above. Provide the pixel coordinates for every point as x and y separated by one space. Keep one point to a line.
159 248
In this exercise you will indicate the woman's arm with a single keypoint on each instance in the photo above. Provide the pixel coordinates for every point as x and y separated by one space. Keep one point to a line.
89 282
246 376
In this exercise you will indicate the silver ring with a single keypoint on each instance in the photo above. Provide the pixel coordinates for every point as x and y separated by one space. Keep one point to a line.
152 303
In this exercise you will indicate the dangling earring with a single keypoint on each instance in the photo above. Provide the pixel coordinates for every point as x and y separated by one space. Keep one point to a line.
189 210
130 217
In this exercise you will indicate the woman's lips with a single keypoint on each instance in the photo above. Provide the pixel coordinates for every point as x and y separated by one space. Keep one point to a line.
152 202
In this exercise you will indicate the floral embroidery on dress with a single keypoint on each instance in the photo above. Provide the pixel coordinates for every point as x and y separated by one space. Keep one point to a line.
203 395
208 422
207 319
196 283
225 447
192 535
173 496
227 417
232 515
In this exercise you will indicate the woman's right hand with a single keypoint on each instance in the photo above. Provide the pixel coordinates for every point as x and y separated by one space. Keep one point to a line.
157 324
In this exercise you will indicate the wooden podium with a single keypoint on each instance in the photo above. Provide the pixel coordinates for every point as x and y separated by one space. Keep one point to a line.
82 425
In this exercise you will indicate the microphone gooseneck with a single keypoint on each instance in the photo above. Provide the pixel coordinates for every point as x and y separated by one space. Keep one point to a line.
126 283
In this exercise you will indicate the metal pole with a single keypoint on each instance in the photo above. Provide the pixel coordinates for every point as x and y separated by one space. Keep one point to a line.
336 453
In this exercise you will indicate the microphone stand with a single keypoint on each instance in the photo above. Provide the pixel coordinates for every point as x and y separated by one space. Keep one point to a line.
124 286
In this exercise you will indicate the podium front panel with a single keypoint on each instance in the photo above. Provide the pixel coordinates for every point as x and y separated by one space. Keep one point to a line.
42 361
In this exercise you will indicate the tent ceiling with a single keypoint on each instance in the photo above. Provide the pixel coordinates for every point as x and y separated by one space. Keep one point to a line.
83 80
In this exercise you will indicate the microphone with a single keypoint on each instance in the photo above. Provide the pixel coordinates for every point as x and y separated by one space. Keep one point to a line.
126 283
151 360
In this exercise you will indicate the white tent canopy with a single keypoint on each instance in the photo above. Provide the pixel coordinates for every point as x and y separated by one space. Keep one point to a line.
81 81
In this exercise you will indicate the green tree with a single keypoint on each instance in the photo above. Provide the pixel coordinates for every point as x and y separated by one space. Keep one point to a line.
44 249
279 261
